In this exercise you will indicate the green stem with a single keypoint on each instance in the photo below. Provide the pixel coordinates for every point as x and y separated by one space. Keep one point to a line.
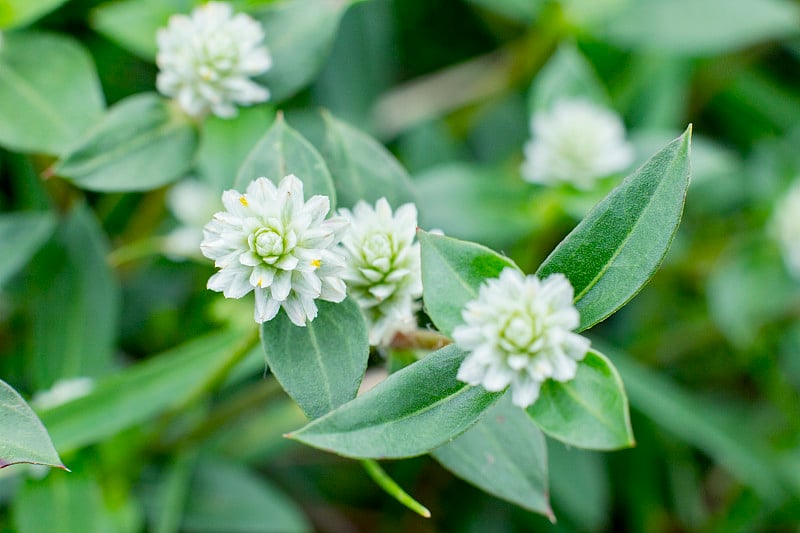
383 480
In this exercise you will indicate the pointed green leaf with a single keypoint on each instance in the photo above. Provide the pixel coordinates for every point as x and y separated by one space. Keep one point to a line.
452 272
298 34
504 454
590 411
362 168
410 413
142 143
567 75
23 438
283 151
321 364
49 92
620 244
21 235
15 13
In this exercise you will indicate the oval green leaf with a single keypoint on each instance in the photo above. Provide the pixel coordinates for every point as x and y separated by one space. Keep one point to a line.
23 438
590 411
21 235
504 454
452 272
362 168
49 92
298 34
283 151
142 143
321 364
620 244
410 413
567 75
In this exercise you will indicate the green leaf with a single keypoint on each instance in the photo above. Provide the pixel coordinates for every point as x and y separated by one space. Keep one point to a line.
298 34
567 75
362 168
321 364
21 235
504 454
225 143
15 13
410 413
589 509
524 11
699 28
283 151
23 438
132 24
49 92
69 286
63 502
452 272
481 206
226 497
590 411
138 393
141 143
700 423
620 244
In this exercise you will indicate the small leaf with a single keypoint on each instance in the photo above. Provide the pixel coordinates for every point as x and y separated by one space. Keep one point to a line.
138 393
452 272
132 24
567 75
590 411
283 151
23 438
16 13
362 168
619 245
49 92
321 364
410 413
21 235
142 143
505 455
298 34
227 497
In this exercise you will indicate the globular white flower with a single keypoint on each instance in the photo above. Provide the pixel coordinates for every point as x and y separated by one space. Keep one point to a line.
63 391
206 60
192 203
383 266
270 241
786 228
519 332
576 142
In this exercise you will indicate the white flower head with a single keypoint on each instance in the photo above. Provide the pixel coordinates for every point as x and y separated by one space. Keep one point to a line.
519 332
383 266
576 142
206 60
786 228
63 391
270 241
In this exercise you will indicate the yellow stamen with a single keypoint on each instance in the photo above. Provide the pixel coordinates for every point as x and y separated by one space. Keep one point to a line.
316 263
260 283
243 200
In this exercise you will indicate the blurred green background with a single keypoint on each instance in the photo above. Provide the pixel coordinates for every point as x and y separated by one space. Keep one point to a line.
709 350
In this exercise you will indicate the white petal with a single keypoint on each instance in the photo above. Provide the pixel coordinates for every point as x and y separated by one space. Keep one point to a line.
266 307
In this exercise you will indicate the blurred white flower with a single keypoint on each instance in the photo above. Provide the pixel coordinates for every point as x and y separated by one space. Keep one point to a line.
192 203
519 332
206 60
576 142
62 391
383 267
786 228
269 240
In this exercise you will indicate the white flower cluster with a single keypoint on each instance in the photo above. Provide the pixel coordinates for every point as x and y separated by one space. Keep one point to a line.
786 228
206 60
270 241
383 266
576 142
519 332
